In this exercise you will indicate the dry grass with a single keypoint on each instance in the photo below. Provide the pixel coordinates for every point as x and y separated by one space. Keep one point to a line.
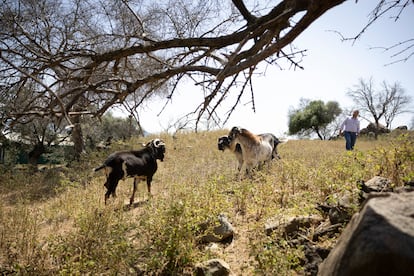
55 222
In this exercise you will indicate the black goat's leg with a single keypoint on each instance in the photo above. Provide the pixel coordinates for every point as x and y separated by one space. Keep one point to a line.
110 185
131 200
149 179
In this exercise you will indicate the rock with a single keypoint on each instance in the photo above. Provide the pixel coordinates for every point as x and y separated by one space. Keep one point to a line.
221 233
339 214
374 187
371 127
378 184
409 183
402 127
377 241
291 225
314 256
213 267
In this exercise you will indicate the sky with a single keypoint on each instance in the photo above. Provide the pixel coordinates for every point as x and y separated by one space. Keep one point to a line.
331 68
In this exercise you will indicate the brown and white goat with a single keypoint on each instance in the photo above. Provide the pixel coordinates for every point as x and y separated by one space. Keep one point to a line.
225 143
255 149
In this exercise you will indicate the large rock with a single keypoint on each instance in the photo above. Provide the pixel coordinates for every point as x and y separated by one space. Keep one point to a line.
213 267
372 127
377 241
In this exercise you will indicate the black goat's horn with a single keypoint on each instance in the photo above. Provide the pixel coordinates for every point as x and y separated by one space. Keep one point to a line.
158 142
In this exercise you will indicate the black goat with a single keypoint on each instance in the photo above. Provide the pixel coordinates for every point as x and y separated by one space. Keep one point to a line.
139 164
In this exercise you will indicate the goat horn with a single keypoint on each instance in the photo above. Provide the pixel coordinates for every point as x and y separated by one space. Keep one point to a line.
158 142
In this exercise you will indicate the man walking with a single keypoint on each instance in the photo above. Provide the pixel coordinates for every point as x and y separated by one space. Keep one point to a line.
350 129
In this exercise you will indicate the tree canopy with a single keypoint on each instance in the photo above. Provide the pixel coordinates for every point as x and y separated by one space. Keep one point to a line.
313 117
83 57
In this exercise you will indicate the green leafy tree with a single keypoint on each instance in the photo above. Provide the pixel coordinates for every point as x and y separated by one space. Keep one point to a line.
109 128
313 117
38 137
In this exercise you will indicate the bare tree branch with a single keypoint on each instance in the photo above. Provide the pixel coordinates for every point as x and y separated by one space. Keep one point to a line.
379 104
92 55
244 11
381 9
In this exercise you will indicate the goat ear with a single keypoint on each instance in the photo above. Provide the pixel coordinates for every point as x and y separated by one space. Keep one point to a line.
152 142
236 129
233 132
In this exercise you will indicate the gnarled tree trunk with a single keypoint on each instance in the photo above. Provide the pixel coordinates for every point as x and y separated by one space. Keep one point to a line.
77 137
35 154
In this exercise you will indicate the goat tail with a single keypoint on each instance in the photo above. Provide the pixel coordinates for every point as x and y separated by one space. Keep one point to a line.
283 141
99 168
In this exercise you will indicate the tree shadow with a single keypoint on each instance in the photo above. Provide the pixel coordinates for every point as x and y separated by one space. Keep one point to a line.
26 186
135 205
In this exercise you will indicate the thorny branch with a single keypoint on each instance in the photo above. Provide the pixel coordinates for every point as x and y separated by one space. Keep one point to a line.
405 48
73 63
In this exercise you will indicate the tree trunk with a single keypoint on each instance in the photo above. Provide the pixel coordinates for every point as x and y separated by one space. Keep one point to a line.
318 133
77 137
377 127
35 154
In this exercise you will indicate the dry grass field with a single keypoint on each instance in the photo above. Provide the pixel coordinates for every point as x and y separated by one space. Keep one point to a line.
55 221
